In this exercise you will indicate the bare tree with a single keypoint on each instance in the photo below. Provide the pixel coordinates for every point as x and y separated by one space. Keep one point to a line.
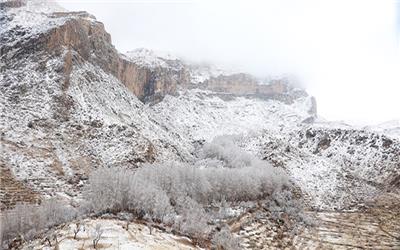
56 244
77 229
128 219
47 239
27 220
98 232
150 224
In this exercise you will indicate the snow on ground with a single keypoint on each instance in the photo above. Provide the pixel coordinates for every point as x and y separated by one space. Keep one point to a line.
109 126
335 168
31 22
199 72
114 236
33 19
353 165
390 128
50 134
375 228
153 59
203 115
202 73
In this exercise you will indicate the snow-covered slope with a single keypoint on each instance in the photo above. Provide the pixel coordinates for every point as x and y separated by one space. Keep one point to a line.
114 235
49 132
153 59
62 116
69 103
335 166
390 128
203 115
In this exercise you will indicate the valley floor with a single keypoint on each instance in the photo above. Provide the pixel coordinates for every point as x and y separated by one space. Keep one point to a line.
376 227
115 236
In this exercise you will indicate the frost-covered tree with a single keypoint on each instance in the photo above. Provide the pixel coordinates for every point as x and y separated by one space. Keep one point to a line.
27 220
182 194
194 219
224 148
109 189
224 240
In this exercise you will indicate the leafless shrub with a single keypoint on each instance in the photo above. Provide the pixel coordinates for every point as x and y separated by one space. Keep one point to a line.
176 192
128 219
78 227
97 233
224 240
149 223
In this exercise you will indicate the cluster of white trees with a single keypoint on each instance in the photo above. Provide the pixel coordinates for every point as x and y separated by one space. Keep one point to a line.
27 220
159 188
225 149
181 195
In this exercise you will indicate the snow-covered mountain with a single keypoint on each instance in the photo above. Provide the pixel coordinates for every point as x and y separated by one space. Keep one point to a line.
199 73
389 128
70 103
67 108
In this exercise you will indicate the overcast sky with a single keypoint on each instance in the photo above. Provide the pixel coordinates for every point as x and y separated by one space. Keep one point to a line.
346 53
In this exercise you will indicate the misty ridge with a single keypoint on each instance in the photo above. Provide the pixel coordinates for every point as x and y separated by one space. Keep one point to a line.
306 39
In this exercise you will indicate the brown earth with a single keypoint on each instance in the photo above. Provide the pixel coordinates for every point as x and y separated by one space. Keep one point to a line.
375 227
13 191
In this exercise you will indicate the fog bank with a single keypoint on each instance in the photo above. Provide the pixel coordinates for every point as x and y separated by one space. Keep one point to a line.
346 53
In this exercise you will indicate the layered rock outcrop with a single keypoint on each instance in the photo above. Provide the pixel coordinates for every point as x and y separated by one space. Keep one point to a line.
80 32
93 44
248 85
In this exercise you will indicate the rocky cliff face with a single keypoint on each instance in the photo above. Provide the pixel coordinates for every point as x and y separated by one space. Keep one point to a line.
244 84
81 33
168 70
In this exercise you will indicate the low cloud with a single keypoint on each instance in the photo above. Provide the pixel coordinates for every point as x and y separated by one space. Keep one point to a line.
345 53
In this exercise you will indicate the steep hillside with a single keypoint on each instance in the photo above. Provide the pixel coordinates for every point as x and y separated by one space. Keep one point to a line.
70 102
335 167
63 112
